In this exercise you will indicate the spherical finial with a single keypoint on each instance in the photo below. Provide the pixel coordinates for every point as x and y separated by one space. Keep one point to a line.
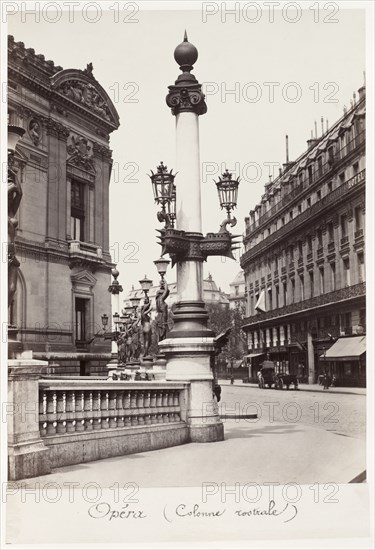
115 273
186 54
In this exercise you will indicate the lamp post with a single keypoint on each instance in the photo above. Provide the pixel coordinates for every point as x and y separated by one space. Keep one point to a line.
15 133
190 344
114 288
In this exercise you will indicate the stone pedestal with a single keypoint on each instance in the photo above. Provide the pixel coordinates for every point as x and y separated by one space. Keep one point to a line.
27 454
188 359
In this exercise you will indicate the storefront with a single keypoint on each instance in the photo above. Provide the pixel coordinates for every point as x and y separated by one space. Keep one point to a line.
253 361
346 360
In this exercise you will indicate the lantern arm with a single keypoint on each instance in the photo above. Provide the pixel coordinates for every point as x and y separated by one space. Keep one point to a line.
164 217
219 244
174 242
228 221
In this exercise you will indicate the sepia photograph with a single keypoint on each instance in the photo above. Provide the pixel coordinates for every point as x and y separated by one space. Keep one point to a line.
184 307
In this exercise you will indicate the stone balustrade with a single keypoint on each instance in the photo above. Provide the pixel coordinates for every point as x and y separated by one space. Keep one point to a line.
67 407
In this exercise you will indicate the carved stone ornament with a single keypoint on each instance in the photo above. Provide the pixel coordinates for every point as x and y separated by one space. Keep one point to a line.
35 131
189 98
86 95
80 151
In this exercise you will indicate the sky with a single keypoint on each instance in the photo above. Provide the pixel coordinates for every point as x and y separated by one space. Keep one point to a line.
315 64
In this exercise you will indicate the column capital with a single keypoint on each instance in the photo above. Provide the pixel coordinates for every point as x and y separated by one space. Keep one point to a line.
186 94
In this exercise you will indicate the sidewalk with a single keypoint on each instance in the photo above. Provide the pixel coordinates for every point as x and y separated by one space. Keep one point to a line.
302 387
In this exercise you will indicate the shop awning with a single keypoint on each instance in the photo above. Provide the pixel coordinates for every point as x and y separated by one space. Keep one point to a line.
237 364
251 355
346 349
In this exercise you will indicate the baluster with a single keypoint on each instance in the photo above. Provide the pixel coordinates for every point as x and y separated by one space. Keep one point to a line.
60 410
170 396
134 420
154 418
127 421
159 398
165 398
147 399
51 413
140 399
165 418
153 399
87 409
160 418
42 413
80 421
133 400
120 409
176 398
70 412
112 409
96 412
104 410
127 399
141 420
148 419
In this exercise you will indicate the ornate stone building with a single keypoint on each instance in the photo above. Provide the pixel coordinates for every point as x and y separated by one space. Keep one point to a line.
64 163
304 259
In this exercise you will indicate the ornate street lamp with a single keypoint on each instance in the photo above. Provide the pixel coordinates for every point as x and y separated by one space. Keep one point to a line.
227 189
146 284
163 188
15 133
135 301
162 266
171 207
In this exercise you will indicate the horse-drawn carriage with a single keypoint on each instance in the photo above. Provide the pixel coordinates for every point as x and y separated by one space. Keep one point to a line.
268 377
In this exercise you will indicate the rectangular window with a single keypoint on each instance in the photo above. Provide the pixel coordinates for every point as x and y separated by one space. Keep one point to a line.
291 215
299 208
310 174
285 294
277 296
80 319
358 218
309 243
269 294
318 195
300 248
320 167
77 211
346 265
321 279
308 202
293 289
333 276
355 168
361 268
342 177
331 237
311 276
320 238
344 225
329 187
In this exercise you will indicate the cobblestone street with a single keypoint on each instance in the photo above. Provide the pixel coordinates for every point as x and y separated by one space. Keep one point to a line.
339 410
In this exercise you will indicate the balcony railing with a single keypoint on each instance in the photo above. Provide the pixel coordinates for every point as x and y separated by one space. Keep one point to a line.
317 301
315 209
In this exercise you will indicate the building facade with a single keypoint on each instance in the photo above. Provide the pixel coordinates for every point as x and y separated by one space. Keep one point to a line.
237 293
64 166
304 259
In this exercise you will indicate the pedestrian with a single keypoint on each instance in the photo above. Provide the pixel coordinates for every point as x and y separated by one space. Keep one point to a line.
326 382
232 379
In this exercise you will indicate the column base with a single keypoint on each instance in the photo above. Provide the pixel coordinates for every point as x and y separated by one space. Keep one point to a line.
28 460
207 434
